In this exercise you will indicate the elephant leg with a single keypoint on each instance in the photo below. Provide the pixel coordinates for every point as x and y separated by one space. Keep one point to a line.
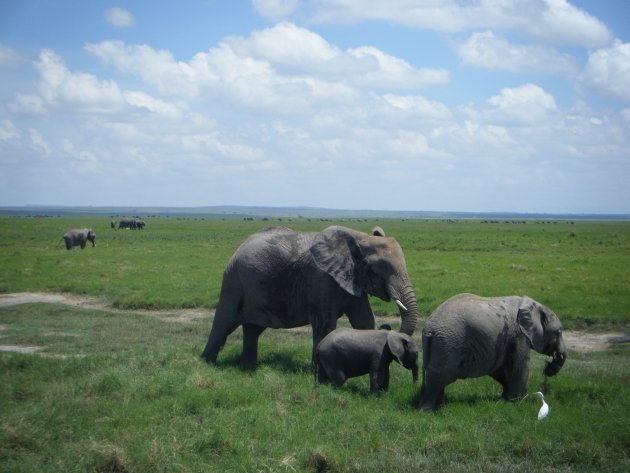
500 376
336 375
379 380
516 383
219 333
322 376
360 314
322 326
432 392
250 345
226 320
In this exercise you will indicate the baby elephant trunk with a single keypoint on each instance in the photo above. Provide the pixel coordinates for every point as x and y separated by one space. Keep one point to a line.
414 373
559 357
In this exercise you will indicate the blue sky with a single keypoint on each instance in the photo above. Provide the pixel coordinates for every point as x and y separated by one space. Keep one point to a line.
476 105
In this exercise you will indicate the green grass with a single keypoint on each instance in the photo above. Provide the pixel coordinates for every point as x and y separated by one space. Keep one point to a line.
128 393
580 270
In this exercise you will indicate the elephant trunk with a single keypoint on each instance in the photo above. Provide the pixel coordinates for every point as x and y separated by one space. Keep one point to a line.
408 310
414 373
559 357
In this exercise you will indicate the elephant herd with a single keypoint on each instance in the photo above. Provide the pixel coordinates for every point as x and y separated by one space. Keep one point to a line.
80 236
279 278
128 223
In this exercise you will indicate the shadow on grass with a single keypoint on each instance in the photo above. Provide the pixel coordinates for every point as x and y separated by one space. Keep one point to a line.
282 362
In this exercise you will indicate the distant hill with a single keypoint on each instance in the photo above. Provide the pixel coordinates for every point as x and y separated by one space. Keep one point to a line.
289 212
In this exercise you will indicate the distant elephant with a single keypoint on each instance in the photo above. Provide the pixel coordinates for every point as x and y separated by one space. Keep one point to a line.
127 223
79 237
346 353
280 278
112 224
470 336
140 224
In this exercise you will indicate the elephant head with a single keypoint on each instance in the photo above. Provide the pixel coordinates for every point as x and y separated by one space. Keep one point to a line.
372 264
91 236
405 351
544 332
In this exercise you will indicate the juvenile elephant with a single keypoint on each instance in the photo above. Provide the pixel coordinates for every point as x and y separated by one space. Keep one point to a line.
79 237
470 336
280 278
346 353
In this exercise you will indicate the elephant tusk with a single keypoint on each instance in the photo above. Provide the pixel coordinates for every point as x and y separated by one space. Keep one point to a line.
401 305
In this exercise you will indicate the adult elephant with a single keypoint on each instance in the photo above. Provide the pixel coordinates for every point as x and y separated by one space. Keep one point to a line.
79 237
127 223
279 278
470 336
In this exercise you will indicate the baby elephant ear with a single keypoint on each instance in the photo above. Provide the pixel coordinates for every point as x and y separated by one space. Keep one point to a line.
532 321
336 252
397 344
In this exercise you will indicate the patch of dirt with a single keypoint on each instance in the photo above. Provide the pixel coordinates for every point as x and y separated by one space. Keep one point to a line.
20 348
86 302
575 340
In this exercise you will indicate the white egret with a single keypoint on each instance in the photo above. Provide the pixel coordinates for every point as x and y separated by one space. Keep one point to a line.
544 410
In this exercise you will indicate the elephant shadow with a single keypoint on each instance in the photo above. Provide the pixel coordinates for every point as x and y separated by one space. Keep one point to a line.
282 362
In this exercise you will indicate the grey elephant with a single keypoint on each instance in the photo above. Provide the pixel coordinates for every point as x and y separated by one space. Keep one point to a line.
279 278
346 353
79 237
470 336
127 223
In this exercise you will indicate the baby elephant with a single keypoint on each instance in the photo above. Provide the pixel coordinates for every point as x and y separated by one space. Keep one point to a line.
345 353
470 336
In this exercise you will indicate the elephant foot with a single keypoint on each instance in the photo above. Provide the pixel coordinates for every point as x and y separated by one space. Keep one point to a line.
248 365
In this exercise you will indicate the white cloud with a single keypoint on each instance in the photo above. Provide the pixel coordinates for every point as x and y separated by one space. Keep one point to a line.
524 106
38 142
9 57
284 68
275 9
119 17
419 106
608 70
28 104
8 131
556 21
489 51
85 91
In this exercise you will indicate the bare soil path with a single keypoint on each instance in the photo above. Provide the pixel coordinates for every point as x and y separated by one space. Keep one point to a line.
575 340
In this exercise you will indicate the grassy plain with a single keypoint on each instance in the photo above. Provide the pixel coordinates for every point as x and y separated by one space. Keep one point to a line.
125 391
580 270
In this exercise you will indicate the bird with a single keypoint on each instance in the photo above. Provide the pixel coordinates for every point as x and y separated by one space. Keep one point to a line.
544 410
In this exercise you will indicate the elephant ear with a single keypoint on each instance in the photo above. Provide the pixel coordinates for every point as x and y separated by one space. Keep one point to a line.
336 252
397 345
532 321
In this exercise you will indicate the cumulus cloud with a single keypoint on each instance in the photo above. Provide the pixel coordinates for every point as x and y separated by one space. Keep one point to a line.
528 105
608 70
556 21
280 68
119 17
85 91
486 50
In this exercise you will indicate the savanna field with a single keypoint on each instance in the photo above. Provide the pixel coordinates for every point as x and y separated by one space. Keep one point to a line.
116 384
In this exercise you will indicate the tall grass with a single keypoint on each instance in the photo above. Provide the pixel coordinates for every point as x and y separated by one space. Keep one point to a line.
128 393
